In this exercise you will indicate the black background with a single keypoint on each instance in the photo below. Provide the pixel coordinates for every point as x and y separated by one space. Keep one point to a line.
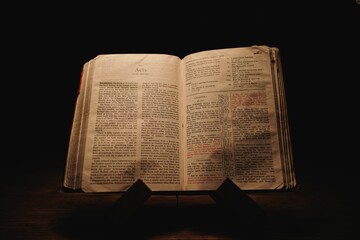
44 47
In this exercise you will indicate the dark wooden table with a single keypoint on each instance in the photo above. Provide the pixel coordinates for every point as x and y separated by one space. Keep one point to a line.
33 206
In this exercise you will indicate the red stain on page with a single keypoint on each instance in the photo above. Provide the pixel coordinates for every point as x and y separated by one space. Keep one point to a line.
80 82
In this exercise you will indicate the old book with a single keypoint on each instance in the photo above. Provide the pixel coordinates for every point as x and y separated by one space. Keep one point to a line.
181 124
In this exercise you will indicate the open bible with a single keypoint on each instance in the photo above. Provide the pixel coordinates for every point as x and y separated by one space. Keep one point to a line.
181 124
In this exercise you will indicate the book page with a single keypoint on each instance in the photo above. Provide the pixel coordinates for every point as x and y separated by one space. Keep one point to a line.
231 120
74 161
133 126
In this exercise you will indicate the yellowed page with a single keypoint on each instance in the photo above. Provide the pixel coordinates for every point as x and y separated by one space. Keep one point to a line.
133 126
231 122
